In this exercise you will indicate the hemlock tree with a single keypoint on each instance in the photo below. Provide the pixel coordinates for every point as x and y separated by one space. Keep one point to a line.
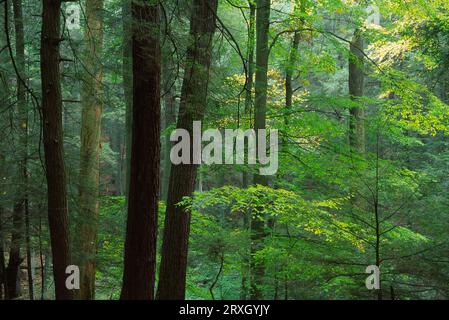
141 228
53 145
172 274
89 177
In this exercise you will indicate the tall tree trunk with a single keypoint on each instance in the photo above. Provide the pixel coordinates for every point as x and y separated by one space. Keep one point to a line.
170 119
172 275
13 269
54 145
250 55
127 86
248 107
356 89
260 108
89 178
23 135
141 230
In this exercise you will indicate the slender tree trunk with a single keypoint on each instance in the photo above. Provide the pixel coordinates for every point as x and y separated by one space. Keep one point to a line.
23 135
141 230
170 119
127 86
54 145
13 269
248 107
356 89
289 72
260 108
172 275
377 215
250 56
89 178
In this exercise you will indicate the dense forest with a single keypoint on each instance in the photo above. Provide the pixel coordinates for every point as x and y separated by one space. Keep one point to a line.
103 195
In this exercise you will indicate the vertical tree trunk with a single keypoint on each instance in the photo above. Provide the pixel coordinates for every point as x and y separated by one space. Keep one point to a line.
250 55
170 119
289 72
248 107
172 275
127 86
260 108
23 136
356 84
89 178
13 269
141 230
54 145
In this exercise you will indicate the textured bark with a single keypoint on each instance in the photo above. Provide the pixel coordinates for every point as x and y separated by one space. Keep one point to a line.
356 84
89 178
260 108
172 275
141 230
53 145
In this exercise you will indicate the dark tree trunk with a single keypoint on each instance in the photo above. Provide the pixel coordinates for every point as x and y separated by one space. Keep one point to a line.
141 230
260 108
13 269
54 145
172 275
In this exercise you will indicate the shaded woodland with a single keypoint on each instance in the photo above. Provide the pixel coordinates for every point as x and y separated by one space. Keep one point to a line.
91 91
